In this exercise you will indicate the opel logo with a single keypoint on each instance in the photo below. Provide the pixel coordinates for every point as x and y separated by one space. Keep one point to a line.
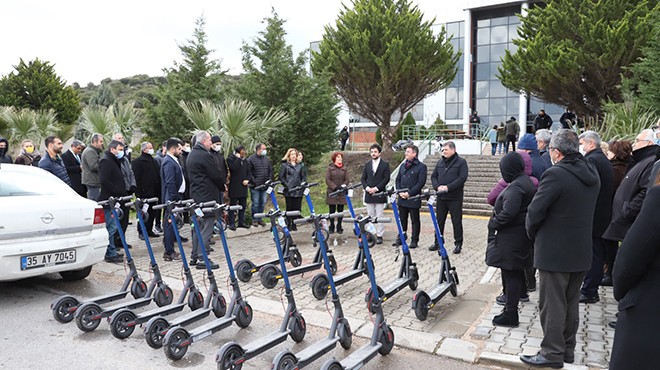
47 218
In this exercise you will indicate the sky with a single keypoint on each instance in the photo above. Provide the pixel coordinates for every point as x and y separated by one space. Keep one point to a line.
88 41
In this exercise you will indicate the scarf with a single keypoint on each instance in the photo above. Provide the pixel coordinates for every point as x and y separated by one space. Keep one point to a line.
339 165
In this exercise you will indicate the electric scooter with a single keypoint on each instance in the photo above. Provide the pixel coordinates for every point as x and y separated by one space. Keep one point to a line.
232 355
65 307
157 326
89 315
123 322
177 340
382 336
246 268
448 280
408 275
270 275
320 283
340 329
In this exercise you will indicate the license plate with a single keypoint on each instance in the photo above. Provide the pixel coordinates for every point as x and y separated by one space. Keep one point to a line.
48 259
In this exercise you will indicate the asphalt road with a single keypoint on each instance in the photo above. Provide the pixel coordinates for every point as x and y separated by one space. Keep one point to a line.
32 339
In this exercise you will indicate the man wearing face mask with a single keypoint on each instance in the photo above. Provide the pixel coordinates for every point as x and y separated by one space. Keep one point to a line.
112 185
4 151
147 179
52 162
218 155
260 170
129 182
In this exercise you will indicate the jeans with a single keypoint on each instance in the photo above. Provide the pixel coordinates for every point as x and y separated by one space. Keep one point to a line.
493 148
206 228
111 225
93 192
258 198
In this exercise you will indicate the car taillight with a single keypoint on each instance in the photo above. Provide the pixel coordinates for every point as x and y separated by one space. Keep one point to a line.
99 216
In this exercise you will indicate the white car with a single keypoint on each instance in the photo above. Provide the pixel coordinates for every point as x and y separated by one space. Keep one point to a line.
46 227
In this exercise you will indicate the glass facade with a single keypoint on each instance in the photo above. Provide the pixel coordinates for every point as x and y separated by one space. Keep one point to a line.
454 94
493 34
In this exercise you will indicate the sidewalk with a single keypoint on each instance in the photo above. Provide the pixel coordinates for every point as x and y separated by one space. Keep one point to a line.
458 327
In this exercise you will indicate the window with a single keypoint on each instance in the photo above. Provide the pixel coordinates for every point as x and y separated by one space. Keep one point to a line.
454 93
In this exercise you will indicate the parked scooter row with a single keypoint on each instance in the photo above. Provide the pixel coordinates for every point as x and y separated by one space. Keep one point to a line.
175 335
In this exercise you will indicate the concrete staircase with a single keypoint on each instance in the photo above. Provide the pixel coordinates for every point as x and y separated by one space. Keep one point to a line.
483 174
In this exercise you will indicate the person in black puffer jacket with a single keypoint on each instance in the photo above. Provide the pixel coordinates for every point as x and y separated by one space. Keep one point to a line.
260 170
291 176
412 175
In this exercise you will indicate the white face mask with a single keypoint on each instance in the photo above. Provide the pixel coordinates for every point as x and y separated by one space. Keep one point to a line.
150 151
217 148
581 149
186 149
263 152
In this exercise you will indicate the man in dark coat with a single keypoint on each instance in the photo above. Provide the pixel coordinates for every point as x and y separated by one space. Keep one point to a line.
509 247
147 179
630 194
72 162
4 151
590 142
260 170
448 178
52 162
636 277
512 131
375 176
172 188
560 221
412 175
216 151
542 142
238 185
542 121
529 144
475 123
206 183
112 185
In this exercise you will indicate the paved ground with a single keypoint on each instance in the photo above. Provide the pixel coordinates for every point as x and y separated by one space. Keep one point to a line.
458 327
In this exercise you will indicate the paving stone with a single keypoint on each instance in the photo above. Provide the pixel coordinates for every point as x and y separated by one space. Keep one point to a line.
457 348
481 332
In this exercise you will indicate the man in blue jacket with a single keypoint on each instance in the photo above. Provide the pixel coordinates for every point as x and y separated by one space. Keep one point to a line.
52 162
448 178
172 187
412 175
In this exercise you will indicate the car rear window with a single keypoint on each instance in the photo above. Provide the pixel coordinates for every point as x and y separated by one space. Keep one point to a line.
31 183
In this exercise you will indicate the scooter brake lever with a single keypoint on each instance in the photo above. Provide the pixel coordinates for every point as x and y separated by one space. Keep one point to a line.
398 253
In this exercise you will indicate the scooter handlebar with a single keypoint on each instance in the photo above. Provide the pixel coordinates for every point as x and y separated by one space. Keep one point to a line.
208 204
292 213
344 189
334 215
179 209
301 221
266 185
235 207
259 215
390 192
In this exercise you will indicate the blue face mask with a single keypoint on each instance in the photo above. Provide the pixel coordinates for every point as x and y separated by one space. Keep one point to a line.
120 154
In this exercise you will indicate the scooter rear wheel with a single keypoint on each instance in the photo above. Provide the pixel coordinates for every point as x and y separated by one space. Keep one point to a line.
268 276
85 316
332 364
333 264
163 296
319 286
244 315
298 328
64 309
369 298
387 341
421 300
228 355
345 334
153 332
172 346
295 258
244 270
119 324
285 361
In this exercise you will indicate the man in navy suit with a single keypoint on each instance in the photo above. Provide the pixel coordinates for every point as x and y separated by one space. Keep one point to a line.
375 176
71 160
172 187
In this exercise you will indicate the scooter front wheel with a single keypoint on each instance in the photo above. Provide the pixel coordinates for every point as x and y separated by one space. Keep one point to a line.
153 333
195 300
268 276
295 258
244 270
369 298
218 304
64 309
319 286
87 316
285 361
138 288
345 334
332 364
175 343
120 326
387 341
163 295
421 305
453 289
298 328
228 357
333 264
244 315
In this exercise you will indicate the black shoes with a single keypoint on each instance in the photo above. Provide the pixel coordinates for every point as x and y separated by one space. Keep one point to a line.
244 226
507 319
200 265
184 239
153 234
589 299
538 360
379 240
612 324
340 230
231 227
115 259
413 245
501 299
457 249
434 247
569 358
158 228
174 256
607 280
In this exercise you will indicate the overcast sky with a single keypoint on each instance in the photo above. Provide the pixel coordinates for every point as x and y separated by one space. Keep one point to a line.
91 40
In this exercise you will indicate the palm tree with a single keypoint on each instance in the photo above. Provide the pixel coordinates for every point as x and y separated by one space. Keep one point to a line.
97 119
46 124
127 117
4 125
204 115
21 125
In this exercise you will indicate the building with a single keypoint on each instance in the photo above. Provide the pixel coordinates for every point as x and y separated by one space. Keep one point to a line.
482 30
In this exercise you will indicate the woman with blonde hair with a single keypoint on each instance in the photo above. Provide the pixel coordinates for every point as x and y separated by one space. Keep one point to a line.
29 154
291 176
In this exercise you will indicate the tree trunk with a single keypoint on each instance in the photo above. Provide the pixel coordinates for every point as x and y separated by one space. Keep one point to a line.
386 136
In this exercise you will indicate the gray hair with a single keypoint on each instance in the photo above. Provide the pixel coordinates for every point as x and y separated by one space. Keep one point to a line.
144 145
565 141
450 145
96 137
200 135
544 135
591 136
77 143
648 134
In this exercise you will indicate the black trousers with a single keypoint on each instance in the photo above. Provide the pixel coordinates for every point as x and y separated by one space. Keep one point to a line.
241 214
455 207
124 225
514 282
611 248
293 204
510 139
414 219
336 208
594 276
149 222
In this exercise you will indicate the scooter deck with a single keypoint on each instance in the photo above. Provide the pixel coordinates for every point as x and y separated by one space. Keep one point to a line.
211 327
265 343
348 276
159 311
316 350
191 317
108 311
109 297
396 286
439 291
361 356
304 268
